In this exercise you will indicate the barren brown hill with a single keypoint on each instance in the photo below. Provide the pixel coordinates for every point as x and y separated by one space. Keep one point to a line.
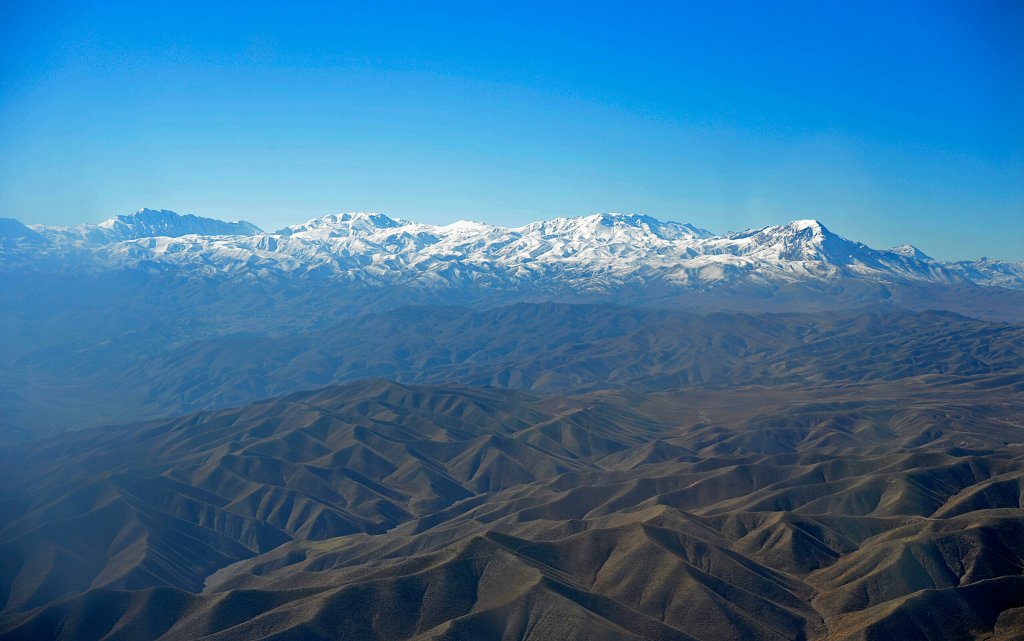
869 509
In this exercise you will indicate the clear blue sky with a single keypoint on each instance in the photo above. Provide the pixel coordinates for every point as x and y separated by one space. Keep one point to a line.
890 121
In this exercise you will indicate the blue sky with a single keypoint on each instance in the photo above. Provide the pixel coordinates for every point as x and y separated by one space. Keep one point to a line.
891 122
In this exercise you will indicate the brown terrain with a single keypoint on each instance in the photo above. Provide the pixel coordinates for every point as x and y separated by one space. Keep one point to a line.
658 476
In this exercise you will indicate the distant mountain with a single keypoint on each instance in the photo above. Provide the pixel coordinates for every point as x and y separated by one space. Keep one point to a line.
146 223
90 312
597 254
910 252
340 226
615 227
995 273
13 234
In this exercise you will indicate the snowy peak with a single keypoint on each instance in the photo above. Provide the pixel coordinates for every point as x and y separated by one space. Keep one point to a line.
909 251
610 225
994 273
801 240
147 223
341 226
809 224
806 231
602 252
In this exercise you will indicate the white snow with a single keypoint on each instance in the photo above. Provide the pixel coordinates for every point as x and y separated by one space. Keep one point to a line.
601 251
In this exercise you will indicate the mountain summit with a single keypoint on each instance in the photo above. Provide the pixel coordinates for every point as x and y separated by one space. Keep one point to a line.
148 223
611 225
632 254
341 226
910 252
802 240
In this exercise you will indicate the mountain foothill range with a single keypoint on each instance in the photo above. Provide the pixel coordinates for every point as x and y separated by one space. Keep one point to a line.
606 427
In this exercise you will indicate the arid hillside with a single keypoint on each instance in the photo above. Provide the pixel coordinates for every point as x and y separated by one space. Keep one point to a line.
858 509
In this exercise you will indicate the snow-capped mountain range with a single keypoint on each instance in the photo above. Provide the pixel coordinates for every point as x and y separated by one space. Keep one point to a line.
587 254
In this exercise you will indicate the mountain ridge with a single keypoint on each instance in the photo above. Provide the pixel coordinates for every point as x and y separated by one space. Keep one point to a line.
601 252
144 223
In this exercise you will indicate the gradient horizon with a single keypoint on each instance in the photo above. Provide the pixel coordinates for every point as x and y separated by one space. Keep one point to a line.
890 123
